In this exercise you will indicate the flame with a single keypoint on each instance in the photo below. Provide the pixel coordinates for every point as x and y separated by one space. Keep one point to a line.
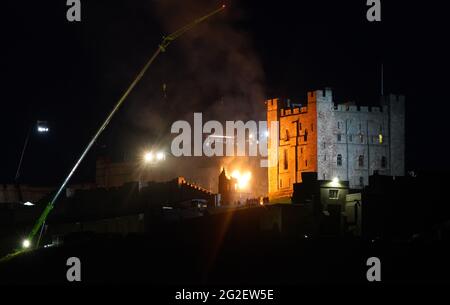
243 179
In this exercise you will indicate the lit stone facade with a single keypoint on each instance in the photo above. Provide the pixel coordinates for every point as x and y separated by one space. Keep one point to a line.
335 140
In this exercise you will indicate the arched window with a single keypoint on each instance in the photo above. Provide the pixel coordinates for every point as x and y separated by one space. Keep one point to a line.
361 161
383 162
339 160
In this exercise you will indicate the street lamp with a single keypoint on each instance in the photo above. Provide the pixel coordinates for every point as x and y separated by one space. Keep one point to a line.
151 157
335 182
26 243
42 127
148 157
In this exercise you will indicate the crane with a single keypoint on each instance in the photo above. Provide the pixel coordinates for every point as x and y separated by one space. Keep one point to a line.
39 225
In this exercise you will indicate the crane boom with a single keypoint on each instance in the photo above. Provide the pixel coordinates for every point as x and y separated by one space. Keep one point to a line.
161 48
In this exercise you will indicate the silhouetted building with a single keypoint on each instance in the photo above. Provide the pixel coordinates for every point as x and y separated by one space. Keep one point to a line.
326 199
227 189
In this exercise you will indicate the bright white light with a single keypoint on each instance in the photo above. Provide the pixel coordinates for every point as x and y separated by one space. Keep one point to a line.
160 156
26 243
266 134
42 129
335 180
28 203
243 179
250 136
148 157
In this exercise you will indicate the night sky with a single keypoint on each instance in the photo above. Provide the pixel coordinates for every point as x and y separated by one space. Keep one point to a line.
71 74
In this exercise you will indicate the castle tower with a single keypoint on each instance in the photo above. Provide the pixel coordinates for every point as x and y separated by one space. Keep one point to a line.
296 149
396 121
341 141
273 115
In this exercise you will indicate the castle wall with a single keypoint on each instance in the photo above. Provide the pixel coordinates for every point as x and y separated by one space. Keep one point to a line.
351 132
374 134
297 148
396 119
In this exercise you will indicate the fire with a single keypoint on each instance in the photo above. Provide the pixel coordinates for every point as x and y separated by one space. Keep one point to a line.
243 179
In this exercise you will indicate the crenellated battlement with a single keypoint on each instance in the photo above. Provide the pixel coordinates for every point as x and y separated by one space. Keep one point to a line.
324 96
273 104
293 111
364 109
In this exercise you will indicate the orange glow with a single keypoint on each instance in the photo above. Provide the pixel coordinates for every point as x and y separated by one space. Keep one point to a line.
243 179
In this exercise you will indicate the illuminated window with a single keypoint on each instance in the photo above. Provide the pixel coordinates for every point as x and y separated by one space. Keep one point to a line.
380 138
339 160
333 194
361 161
383 162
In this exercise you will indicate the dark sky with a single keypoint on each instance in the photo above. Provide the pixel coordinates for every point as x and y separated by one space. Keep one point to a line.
71 74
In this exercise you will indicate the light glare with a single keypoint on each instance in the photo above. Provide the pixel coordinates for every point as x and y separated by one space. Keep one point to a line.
243 179
160 156
26 243
148 157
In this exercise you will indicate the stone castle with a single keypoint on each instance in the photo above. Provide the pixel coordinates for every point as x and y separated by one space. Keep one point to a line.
342 141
